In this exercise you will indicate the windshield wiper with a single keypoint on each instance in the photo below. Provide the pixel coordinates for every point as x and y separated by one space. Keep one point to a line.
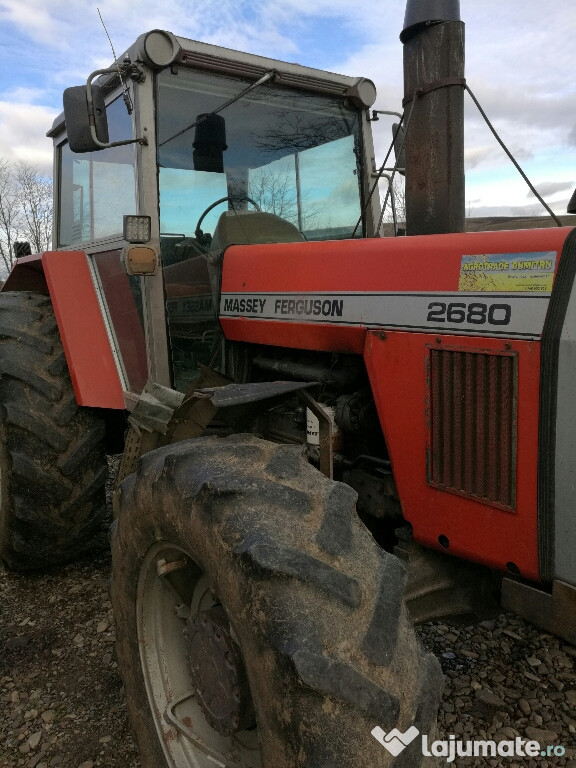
264 79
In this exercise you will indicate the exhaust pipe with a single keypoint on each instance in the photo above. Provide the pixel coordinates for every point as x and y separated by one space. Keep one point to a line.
433 38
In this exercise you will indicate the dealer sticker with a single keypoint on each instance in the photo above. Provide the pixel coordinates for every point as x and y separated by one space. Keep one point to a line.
531 272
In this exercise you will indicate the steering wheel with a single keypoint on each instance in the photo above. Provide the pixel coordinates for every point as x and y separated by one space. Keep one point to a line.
199 235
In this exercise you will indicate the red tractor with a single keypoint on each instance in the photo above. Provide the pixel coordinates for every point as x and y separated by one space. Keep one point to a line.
327 434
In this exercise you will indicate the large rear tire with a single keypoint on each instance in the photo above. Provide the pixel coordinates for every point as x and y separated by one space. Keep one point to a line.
52 460
243 541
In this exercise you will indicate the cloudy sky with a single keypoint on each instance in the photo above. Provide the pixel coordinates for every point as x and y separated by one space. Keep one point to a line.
520 63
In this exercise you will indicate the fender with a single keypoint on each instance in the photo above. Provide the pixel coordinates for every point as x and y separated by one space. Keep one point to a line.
65 277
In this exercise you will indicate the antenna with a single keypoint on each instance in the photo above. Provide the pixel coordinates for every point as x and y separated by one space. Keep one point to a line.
107 35
125 90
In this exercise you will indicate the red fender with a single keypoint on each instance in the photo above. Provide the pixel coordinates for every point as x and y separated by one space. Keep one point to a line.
65 277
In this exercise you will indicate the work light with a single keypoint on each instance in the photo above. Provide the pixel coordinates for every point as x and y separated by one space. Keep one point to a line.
137 229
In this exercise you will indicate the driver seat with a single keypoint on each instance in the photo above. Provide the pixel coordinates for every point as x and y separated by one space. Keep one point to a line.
251 228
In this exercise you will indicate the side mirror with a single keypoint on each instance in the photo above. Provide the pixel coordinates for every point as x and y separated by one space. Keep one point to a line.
85 113
77 115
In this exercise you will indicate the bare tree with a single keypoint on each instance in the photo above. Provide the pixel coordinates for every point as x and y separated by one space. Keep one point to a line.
35 197
277 191
10 223
25 210
300 132
398 199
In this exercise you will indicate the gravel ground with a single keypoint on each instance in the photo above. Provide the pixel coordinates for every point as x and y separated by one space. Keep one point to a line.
506 679
61 697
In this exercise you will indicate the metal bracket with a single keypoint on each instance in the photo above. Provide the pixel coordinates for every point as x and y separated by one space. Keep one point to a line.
445 82
326 434
239 394
164 567
137 76
215 756
556 612
155 407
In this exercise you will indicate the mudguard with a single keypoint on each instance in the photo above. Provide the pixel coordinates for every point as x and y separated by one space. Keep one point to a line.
65 276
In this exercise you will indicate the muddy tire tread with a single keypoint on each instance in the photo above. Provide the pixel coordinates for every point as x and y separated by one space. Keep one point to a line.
53 461
326 595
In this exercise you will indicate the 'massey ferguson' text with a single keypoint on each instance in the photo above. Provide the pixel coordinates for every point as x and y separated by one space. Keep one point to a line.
314 307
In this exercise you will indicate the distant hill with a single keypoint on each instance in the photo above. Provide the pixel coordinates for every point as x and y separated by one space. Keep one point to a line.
515 222
494 223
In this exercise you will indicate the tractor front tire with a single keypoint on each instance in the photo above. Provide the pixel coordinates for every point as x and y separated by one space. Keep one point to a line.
52 452
258 623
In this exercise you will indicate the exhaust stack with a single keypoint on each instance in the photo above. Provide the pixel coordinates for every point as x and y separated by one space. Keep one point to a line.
433 38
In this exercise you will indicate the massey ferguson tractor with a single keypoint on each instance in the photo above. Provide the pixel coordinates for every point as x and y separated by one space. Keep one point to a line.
328 435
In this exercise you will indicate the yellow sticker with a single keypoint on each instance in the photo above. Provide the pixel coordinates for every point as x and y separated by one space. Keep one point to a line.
531 272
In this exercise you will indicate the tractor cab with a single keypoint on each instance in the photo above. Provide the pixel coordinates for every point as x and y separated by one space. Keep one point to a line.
183 149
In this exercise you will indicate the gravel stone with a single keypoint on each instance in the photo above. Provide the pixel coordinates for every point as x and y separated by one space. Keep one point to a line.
543 736
524 707
571 699
490 699
35 740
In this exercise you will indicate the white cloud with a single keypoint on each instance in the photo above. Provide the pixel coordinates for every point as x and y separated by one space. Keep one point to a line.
24 95
23 134
40 20
477 155
551 188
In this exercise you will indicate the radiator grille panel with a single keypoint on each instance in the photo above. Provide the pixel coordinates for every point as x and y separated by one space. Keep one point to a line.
472 438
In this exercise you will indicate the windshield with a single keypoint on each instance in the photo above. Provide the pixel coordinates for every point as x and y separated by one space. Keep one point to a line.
291 153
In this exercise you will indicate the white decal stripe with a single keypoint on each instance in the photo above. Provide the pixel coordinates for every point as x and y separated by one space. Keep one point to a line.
519 315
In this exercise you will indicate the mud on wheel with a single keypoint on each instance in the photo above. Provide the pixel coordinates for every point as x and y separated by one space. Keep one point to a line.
52 461
258 623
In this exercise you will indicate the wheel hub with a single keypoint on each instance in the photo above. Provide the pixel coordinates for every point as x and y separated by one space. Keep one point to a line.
218 672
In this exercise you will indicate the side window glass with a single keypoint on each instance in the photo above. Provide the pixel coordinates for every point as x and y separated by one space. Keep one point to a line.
97 188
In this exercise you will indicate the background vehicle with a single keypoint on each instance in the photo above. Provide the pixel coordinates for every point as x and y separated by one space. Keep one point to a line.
282 370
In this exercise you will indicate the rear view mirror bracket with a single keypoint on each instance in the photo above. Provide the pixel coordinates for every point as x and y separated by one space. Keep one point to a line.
85 113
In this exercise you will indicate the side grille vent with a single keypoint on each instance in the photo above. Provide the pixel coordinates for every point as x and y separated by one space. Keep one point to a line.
472 424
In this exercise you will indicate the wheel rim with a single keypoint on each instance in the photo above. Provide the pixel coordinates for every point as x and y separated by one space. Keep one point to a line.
173 592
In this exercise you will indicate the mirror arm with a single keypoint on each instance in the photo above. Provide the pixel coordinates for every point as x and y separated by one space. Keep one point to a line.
137 76
143 140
